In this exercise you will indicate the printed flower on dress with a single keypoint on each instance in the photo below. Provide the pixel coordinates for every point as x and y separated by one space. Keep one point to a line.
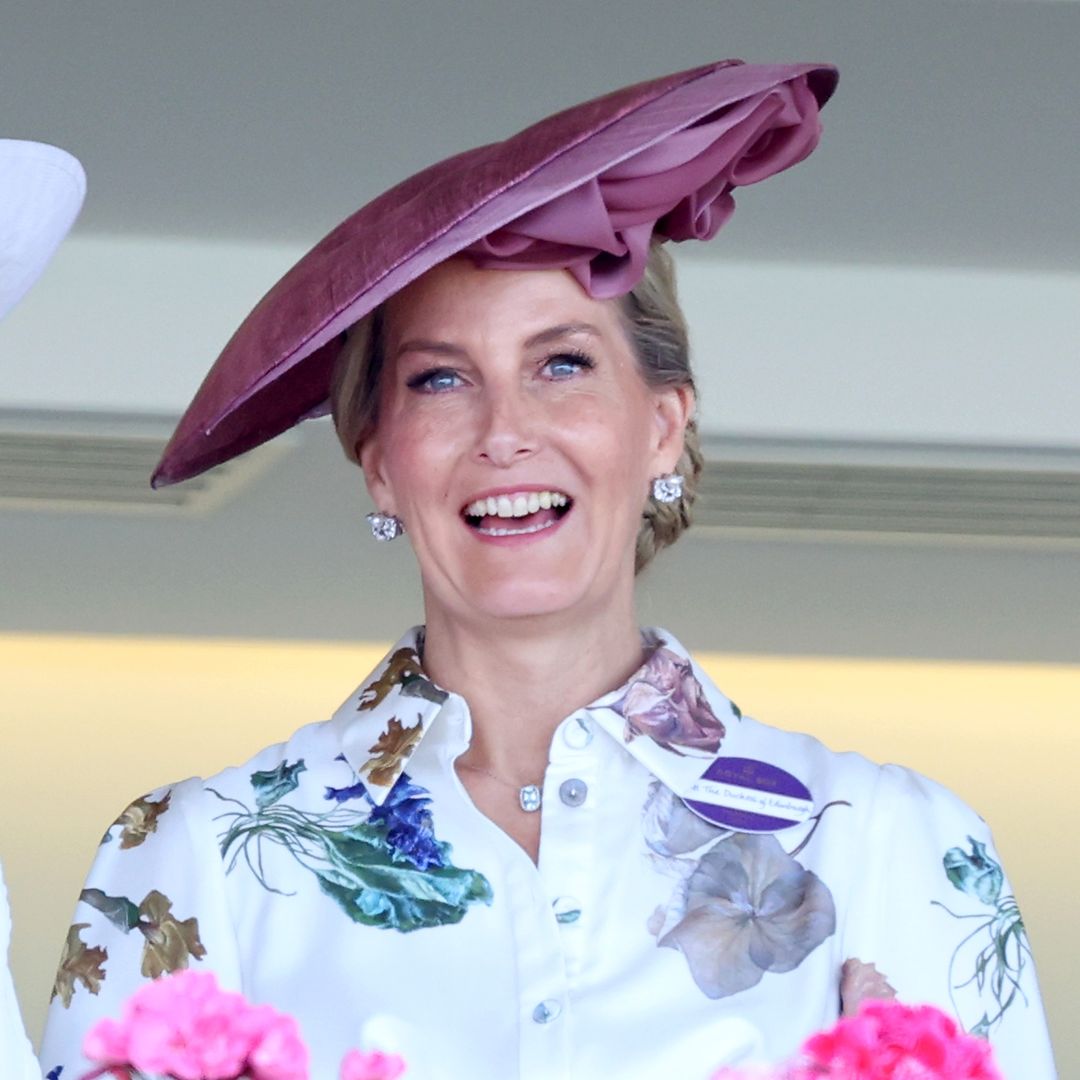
748 908
138 821
994 948
170 943
671 828
79 963
667 703
383 866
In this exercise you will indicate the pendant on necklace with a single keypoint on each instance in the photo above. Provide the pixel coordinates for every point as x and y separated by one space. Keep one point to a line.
529 797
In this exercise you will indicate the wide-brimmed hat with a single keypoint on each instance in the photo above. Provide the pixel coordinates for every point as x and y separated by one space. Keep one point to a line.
586 189
41 191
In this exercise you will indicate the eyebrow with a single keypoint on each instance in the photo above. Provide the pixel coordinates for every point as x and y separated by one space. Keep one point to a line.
544 337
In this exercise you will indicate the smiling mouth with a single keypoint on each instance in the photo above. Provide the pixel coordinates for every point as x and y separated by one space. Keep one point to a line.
517 513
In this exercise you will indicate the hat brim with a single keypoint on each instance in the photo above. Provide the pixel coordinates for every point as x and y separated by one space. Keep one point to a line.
276 369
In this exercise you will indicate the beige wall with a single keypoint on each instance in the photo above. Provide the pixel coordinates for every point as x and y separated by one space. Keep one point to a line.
90 723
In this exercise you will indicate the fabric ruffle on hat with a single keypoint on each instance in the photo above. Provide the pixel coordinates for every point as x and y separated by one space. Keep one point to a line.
585 189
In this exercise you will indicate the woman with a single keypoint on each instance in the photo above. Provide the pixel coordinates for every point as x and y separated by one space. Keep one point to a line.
537 841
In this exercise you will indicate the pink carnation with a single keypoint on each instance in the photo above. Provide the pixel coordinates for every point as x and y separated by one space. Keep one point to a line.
371 1066
886 1041
889 1041
184 1026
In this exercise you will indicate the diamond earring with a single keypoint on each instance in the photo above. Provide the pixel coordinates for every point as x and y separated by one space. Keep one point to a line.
668 489
385 526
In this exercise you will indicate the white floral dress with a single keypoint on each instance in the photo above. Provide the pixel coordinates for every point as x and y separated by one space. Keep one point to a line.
709 891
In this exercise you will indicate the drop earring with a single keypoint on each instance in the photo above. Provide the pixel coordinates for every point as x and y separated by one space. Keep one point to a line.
669 488
385 527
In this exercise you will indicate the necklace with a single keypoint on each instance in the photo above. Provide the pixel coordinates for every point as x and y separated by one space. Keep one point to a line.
529 795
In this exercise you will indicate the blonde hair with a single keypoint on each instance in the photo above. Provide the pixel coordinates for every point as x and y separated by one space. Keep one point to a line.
656 329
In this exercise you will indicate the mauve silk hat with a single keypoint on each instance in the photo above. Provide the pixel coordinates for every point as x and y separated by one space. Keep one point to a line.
585 190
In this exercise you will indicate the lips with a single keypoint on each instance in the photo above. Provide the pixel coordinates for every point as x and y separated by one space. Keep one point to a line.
517 513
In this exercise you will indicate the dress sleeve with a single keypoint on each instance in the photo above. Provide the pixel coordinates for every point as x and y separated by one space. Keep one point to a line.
154 902
933 919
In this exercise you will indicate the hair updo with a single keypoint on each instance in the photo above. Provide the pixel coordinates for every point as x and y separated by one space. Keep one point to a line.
656 329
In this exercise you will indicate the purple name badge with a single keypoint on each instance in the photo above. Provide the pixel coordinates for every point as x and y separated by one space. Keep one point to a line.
749 796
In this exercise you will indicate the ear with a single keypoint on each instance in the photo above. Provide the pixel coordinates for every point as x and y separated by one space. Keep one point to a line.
378 485
674 409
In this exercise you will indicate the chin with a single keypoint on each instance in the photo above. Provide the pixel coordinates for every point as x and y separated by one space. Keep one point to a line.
523 598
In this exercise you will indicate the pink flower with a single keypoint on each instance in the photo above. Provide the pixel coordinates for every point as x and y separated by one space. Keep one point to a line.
890 1041
371 1066
886 1041
185 1027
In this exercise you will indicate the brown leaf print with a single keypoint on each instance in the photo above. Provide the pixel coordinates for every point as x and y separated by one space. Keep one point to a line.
403 665
391 749
859 982
140 819
79 963
170 943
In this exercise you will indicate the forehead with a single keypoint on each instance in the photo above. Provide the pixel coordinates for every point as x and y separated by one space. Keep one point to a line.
457 298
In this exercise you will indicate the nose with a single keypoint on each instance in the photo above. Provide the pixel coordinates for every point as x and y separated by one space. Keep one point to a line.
509 429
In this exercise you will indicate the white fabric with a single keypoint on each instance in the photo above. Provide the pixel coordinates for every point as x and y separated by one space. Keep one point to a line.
16 1053
41 191
259 867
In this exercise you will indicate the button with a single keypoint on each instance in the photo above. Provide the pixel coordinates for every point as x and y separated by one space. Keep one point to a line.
573 792
547 1011
567 910
577 733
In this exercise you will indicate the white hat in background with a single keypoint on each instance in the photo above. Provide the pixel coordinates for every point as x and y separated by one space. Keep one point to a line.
41 191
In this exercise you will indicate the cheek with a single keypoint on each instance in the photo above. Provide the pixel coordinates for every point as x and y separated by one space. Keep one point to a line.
418 454
613 428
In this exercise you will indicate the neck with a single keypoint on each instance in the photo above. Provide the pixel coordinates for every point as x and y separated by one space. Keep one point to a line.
522 677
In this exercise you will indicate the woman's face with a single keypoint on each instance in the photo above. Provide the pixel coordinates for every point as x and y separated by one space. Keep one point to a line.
516 440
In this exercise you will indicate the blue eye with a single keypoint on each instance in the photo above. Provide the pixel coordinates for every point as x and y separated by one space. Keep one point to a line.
435 381
567 365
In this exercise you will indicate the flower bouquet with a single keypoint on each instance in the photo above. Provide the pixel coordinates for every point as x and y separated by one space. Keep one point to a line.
185 1027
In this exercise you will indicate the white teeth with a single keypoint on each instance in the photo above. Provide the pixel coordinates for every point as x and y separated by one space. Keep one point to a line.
516 505
520 531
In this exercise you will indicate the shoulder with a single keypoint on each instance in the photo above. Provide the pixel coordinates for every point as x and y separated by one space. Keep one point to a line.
189 805
885 793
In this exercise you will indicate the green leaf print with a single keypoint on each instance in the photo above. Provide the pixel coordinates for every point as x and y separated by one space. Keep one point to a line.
374 886
383 866
271 784
119 910
976 873
995 949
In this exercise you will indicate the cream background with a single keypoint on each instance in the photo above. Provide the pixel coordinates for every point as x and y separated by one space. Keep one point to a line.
91 722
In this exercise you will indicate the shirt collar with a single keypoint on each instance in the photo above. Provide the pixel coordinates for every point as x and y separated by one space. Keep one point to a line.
668 715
